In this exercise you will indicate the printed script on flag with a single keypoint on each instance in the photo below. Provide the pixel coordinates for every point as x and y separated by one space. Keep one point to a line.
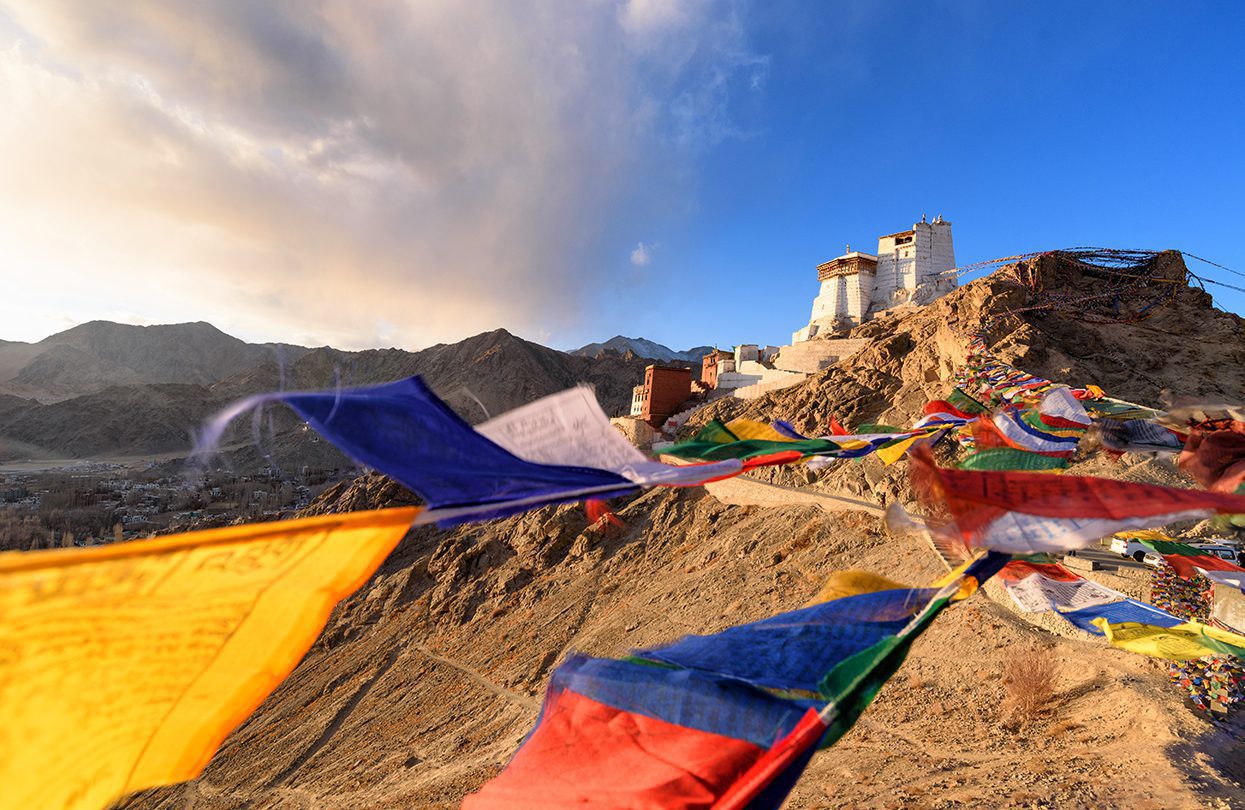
123 667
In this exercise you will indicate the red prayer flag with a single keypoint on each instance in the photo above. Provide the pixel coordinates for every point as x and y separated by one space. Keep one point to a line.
1025 512
652 763
1215 455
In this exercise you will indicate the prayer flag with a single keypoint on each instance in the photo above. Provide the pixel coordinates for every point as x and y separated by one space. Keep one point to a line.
1188 561
1027 512
1126 610
570 429
123 667
1215 455
1008 458
1022 435
795 650
402 429
852 583
1036 588
1179 643
626 734
1138 436
647 734
965 404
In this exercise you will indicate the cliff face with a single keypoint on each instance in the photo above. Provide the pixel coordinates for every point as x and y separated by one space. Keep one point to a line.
426 680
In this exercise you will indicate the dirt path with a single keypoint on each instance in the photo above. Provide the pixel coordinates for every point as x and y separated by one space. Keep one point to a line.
743 490
500 691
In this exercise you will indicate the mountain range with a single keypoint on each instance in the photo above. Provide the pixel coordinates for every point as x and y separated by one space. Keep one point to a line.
109 389
641 347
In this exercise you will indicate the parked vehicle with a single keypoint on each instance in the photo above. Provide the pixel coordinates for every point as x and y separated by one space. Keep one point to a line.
1230 553
1129 548
1224 552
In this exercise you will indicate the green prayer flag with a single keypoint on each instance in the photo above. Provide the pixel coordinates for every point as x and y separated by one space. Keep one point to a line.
1008 458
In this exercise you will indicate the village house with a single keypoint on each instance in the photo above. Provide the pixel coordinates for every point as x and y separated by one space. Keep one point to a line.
665 388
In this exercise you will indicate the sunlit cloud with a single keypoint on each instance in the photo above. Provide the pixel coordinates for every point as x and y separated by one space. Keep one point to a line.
354 173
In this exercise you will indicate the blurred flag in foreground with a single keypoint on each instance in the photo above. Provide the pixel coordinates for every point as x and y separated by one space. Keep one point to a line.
728 720
123 667
1033 512
556 450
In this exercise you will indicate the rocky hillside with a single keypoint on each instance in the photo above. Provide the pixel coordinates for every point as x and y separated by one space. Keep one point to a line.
122 420
425 681
1186 346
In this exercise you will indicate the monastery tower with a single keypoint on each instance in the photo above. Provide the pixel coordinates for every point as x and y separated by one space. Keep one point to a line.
911 267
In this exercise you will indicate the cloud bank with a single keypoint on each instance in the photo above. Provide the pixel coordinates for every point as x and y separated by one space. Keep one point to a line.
355 172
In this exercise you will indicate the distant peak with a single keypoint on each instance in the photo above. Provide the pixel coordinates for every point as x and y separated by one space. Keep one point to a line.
641 347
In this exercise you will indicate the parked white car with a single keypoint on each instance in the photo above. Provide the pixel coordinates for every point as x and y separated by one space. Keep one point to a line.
1230 553
1129 548
1224 552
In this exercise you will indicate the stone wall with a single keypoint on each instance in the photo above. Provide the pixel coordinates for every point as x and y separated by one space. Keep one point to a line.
760 389
843 296
812 356
637 431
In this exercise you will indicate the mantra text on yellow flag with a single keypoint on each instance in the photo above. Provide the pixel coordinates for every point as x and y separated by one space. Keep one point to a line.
123 667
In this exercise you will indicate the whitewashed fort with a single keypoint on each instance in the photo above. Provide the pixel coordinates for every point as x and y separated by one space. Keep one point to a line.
910 268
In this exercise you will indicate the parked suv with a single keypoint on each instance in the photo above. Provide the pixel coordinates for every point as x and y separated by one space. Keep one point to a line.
1224 552
1129 548
1230 553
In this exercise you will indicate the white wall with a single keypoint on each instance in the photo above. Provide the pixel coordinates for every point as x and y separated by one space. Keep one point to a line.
746 352
942 256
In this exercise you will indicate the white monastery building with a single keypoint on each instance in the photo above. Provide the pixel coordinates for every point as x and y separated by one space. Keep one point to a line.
911 267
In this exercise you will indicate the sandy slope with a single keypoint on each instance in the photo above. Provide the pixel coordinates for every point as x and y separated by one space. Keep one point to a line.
426 680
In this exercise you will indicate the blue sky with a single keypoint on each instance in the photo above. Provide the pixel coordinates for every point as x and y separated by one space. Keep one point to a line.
1030 126
406 174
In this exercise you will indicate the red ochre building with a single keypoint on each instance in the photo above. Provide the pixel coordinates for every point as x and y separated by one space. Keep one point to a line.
665 389
709 365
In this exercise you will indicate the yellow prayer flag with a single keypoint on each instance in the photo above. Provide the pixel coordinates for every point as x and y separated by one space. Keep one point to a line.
123 667
1179 643
968 585
852 583
752 429
894 451
1144 534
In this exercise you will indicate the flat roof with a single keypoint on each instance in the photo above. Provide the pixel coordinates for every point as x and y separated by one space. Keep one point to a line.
855 254
909 232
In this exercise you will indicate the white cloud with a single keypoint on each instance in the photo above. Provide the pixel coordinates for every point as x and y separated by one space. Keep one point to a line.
344 172
642 255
